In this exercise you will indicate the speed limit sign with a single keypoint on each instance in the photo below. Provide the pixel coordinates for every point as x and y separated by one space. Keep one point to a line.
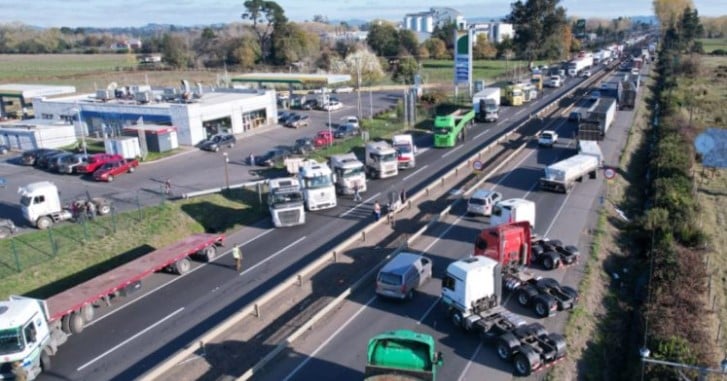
477 165
609 173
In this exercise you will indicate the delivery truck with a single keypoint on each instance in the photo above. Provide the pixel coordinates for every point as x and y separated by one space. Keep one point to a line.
286 202
563 175
596 124
487 104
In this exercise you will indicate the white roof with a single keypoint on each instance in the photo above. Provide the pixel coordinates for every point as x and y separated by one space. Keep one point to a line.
514 201
32 91
15 313
36 187
462 267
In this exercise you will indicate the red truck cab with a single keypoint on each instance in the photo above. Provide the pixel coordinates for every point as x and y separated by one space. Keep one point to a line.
96 160
508 244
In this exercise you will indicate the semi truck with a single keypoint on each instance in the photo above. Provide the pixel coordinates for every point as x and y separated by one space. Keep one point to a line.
563 175
472 296
576 66
402 355
38 327
596 124
590 147
513 95
449 124
381 160
286 202
349 173
513 210
316 180
626 95
405 150
41 205
487 104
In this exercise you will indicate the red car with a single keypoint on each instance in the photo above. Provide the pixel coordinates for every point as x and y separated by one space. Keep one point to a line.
96 160
115 168
323 138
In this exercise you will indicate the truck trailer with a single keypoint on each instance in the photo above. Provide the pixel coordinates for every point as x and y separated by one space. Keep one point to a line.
43 325
472 296
487 104
402 355
626 95
563 175
596 124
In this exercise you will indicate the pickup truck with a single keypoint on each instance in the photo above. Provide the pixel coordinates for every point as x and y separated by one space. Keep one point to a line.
547 138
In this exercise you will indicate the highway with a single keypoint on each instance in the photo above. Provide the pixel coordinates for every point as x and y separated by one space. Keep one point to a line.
171 311
336 349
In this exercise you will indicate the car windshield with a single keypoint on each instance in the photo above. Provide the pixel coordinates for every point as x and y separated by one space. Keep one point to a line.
547 135
353 172
25 200
281 199
318 182
404 148
11 341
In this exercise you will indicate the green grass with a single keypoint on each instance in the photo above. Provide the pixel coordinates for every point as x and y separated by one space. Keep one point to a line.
443 70
23 67
712 44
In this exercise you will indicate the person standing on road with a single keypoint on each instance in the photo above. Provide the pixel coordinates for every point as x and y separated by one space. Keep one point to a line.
402 196
19 372
237 255
252 160
356 193
377 210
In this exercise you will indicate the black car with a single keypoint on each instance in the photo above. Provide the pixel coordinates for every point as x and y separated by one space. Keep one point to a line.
29 157
215 142
303 146
346 130
310 104
56 162
273 156
283 116
44 160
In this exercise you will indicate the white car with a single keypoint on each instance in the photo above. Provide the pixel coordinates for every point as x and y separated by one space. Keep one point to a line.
332 106
554 81
350 120
586 73
345 89
547 138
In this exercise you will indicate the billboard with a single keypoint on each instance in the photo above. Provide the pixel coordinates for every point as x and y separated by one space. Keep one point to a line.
580 30
463 57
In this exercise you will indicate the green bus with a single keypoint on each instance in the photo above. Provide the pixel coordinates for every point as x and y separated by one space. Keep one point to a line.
448 127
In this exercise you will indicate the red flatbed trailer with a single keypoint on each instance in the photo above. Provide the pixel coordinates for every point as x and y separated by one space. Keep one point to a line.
85 294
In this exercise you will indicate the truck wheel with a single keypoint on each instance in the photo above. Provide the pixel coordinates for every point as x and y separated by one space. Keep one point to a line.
559 344
45 363
549 283
66 323
43 222
507 344
525 294
525 361
131 169
209 253
542 305
571 292
537 330
88 312
555 242
76 323
551 260
457 319
182 266
103 209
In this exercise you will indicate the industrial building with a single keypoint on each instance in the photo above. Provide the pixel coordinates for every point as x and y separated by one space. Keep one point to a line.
496 32
423 23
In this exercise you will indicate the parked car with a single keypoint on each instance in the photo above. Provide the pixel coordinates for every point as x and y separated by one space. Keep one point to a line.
482 201
283 116
344 89
273 156
403 275
44 160
323 138
332 105
57 161
346 130
310 104
351 120
215 142
70 166
297 121
303 146
95 161
110 170
29 157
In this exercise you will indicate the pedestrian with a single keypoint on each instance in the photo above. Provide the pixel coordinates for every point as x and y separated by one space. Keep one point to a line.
167 186
90 209
252 160
402 196
237 255
19 372
356 193
377 210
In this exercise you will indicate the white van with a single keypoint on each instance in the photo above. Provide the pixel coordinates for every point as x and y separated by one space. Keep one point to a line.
400 277
482 201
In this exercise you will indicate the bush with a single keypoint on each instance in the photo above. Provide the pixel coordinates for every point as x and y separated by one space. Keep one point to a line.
719 52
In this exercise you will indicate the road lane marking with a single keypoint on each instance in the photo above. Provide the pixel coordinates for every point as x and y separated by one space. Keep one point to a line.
530 190
464 371
426 313
344 214
145 330
555 218
482 133
452 151
519 112
272 256
315 352
415 172
421 151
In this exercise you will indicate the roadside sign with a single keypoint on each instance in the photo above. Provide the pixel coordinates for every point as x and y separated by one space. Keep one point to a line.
609 173
477 165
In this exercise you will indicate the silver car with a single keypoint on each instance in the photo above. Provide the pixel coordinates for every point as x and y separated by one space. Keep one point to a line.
405 273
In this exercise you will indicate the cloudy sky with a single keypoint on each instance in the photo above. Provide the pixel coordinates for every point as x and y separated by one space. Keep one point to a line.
116 13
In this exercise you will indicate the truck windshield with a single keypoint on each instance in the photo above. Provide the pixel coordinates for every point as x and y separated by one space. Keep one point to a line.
281 199
26 201
387 157
442 130
352 172
11 341
403 148
317 182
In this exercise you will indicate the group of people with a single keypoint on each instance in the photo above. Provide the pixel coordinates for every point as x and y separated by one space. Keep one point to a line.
377 205
81 209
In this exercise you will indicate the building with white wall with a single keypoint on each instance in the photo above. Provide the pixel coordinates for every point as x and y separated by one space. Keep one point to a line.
35 133
496 32
423 23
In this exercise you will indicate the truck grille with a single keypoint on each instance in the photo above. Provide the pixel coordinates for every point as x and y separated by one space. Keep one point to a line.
289 217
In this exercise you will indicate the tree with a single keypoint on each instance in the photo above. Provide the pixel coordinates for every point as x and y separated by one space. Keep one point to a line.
320 19
383 39
437 48
408 42
668 11
174 51
245 53
483 49
690 28
405 70
291 44
364 62
445 32
537 23
265 17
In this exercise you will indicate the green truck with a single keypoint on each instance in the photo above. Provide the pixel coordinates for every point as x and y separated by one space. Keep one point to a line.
449 124
402 355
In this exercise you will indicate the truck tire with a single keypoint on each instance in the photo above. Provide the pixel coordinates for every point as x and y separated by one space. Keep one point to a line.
457 319
525 295
43 222
506 345
551 260
555 242
533 330
209 253
76 323
103 209
88 312
182 266
131 169
45 363
559 344
525 361
571 292
66 323
542 305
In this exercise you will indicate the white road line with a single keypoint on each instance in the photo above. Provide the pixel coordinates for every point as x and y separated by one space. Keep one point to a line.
519 112
176 278
530 190
272 256
504 120
414 173
428 310
344 214
482 133
464 371
145 330
421 150
555 218
315 352
452 151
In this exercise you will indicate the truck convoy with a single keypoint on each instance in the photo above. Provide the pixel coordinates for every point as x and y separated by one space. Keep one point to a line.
596 124
405 150
449 124
39 327
316 180
40 203
487 104
349 173
402 355
285 202
583 62
472 295
381 160
563 175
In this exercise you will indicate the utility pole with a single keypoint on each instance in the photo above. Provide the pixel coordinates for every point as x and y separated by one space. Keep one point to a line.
358 87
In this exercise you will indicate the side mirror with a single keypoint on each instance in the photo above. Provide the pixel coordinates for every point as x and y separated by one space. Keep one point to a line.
439 359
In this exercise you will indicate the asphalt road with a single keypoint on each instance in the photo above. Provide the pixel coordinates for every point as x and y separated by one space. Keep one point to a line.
171 311
336 349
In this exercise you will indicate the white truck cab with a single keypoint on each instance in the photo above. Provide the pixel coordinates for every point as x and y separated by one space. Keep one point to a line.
316 179
405 150
40 199
381 160
285 202
513 210
470 281
349 172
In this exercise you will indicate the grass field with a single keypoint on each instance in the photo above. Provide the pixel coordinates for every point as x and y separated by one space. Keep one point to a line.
712 44
443 70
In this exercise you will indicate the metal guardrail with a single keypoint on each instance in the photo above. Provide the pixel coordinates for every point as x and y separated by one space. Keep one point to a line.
331 257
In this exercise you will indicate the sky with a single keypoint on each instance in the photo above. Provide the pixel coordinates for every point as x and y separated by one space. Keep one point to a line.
134 13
